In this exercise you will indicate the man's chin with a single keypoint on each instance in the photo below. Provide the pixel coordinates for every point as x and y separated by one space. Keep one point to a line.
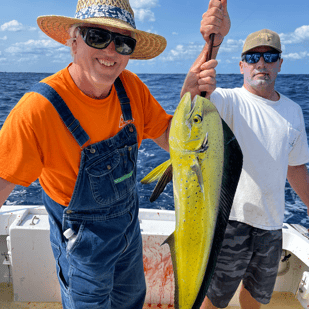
261 82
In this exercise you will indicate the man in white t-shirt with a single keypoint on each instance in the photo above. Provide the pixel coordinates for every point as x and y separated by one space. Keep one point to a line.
271 132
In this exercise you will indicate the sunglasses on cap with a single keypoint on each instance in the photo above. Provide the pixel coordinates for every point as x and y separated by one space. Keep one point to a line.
255 57
100 38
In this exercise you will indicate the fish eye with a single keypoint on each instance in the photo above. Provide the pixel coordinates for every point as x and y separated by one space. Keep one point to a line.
197 118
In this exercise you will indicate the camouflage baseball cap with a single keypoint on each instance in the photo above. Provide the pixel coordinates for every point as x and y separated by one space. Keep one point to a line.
263 37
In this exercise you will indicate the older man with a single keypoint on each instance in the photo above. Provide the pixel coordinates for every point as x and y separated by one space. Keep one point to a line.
271 132
78 131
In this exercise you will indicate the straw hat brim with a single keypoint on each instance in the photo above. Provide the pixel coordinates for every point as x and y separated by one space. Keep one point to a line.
148 45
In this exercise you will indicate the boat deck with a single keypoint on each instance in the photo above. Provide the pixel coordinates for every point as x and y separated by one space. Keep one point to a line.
280 300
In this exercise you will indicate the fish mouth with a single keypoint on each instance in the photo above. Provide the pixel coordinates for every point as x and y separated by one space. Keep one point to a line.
193 102
204 145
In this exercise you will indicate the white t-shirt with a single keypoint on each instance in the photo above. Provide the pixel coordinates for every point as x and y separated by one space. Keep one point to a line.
272 136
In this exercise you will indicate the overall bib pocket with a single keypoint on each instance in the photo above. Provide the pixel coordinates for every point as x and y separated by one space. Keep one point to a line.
114 176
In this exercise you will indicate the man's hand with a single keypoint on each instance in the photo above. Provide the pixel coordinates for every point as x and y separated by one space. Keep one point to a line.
216 20
201 77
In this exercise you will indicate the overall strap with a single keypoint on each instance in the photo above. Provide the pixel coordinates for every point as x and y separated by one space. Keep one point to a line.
124 100
64 112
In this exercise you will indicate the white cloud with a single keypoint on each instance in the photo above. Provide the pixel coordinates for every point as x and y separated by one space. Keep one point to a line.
174 33
182 52
142 9
28 59
14 25
140 4
34 47
144 14
295 56
151 30
230 46
299 35
4 38
33 50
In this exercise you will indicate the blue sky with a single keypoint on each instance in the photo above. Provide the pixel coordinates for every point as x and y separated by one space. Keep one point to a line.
24 48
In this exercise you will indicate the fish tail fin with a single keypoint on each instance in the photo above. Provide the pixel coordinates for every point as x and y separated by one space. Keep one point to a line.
171 242
233 159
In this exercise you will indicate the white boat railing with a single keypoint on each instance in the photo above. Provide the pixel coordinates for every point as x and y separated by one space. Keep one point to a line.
28 260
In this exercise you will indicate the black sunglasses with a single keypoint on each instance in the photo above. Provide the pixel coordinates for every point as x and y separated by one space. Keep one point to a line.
269 57
101 38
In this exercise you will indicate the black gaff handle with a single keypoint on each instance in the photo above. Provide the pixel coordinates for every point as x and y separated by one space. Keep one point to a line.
208 56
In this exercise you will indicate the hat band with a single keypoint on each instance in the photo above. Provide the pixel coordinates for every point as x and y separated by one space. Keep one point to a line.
106 11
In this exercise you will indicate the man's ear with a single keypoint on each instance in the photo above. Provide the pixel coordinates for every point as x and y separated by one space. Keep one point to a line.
241 67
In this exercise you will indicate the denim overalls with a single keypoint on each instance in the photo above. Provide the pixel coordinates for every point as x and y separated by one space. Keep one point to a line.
104 266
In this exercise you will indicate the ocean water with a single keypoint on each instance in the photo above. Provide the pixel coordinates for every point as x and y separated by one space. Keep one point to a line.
165 88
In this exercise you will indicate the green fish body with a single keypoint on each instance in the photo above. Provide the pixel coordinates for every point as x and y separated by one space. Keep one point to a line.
201 149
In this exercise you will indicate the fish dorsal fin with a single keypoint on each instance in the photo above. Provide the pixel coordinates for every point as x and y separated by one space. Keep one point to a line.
164 174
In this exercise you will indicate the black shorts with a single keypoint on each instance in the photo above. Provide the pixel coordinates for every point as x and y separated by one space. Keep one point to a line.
249 254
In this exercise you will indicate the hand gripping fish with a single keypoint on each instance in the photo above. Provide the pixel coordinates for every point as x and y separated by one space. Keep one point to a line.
205 165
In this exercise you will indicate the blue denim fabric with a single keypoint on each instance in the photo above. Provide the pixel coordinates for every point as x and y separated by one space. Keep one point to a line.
104 267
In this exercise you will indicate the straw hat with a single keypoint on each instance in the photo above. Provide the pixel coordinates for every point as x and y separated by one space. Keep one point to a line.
112 13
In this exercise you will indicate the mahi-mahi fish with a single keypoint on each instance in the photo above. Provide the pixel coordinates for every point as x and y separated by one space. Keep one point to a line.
205 165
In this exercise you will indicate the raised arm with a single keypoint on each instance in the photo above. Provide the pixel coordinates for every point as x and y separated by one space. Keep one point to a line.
201 76
162 140
298 178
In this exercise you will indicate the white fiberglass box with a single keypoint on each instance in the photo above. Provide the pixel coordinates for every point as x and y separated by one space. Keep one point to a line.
33 265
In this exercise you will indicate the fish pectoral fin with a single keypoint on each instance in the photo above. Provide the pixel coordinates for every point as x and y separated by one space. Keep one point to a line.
163 173
156 173
197 169
160 186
